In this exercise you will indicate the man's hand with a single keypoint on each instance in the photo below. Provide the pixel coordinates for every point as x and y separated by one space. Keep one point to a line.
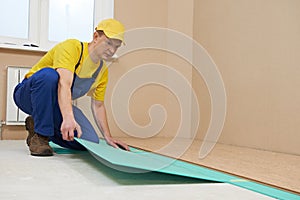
99 113
69 125
116 143
67 129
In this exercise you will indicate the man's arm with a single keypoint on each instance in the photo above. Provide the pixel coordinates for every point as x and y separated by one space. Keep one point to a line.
99 113
65 104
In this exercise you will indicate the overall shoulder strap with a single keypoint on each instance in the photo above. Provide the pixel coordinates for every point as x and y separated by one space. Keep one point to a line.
98 69
76 66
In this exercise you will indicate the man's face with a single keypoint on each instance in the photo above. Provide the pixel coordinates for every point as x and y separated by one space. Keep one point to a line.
106 47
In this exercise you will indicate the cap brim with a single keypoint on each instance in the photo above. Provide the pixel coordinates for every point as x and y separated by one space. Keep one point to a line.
114 36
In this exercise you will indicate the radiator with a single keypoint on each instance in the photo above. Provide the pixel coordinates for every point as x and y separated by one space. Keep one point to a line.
14 116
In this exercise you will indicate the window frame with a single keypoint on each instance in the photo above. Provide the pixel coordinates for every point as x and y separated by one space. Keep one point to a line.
39 23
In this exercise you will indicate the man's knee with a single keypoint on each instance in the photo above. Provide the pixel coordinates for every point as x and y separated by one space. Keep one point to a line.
47 75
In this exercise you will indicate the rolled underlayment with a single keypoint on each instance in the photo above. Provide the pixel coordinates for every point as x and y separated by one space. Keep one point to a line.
139 161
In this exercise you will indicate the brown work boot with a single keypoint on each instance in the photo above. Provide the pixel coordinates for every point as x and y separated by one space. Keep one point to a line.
29 125
39 146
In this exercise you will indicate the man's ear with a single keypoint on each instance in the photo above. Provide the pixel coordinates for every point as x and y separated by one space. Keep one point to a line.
95 36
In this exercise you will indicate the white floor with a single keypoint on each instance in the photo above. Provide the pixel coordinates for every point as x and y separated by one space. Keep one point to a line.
80 176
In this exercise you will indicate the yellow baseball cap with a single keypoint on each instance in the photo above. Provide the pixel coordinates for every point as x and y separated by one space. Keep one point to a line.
112 28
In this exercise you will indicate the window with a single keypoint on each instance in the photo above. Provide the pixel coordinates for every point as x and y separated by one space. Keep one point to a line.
16 27
68 19
46 22
19 22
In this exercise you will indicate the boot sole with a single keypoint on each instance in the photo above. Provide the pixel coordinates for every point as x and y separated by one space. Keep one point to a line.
44 154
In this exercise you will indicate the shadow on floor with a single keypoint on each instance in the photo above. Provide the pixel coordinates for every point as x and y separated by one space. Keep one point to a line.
124 177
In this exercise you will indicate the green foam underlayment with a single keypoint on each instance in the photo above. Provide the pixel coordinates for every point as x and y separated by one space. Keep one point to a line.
138 159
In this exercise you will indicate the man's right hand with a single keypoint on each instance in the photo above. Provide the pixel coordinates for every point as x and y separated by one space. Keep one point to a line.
67 130
69 125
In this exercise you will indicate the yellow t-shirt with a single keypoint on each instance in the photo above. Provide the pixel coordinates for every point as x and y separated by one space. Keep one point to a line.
66 55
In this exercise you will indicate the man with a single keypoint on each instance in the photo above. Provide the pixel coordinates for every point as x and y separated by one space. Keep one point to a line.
68 71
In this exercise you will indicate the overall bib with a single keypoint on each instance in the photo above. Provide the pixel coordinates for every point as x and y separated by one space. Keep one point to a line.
37 96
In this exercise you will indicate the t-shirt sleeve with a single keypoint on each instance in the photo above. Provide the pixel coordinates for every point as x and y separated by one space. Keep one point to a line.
99 91
66 55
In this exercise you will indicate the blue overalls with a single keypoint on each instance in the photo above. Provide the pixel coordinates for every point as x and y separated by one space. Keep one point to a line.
38 97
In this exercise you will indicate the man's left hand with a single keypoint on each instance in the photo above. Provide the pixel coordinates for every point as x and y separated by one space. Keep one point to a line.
116 143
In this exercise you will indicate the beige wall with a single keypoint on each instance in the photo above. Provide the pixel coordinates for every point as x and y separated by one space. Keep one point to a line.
136 14
256 47
170 14
13 58
139 14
